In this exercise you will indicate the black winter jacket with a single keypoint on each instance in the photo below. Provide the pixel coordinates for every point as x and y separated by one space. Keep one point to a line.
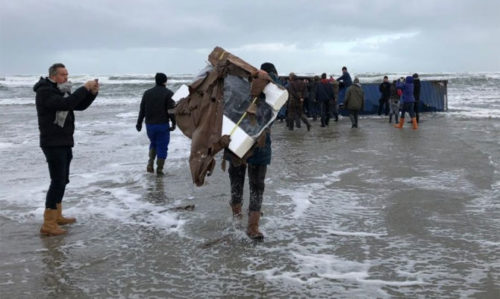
49 100
155 104
324 92
385 90
416 89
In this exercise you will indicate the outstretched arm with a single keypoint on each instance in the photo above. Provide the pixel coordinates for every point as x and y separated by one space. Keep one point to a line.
89 99
60 103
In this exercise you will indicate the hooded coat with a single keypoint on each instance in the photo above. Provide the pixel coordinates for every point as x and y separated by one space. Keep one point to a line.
407 88
49 100
355 98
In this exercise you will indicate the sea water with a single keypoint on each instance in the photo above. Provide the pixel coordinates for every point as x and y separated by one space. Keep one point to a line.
372 212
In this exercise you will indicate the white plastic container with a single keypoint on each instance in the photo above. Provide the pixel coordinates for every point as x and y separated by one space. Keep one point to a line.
181 93
241 142
275 96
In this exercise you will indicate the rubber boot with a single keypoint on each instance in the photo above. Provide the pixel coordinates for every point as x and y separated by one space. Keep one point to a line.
253 227
414 123
50 226
236 210
159 166
151 161
61 220
401 123
306 121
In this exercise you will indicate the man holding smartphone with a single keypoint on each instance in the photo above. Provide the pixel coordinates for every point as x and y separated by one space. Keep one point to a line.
55 104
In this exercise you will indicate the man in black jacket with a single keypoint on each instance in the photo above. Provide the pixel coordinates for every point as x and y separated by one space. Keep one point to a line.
325 95
416 94
385 94
155 104
56 121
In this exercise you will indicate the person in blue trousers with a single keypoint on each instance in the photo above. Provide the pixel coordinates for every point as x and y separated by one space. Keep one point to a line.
154 108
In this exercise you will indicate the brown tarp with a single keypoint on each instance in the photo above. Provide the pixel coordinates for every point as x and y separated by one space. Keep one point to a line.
199 116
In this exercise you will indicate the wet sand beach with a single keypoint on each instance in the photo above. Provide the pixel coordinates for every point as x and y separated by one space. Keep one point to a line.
368 212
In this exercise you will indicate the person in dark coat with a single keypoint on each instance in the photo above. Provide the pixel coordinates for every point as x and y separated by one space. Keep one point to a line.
345 80
416 94
335 103
314 107
394 103
258 159
297 91
325 96
354 102
55 104
385 94
154 108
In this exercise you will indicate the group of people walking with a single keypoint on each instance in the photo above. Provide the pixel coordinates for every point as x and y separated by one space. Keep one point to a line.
319 97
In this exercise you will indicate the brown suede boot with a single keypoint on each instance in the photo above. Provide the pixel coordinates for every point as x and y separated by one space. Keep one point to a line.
50 227
401 123
61 220
151 161
414 123
236 210
253 227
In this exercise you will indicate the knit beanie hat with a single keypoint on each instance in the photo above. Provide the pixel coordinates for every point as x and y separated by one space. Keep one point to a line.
269 68
160 78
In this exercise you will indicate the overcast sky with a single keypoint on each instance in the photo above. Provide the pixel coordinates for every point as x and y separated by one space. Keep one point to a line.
116 37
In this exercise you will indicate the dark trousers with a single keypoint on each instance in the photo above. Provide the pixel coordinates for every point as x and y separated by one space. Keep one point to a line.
59 160
314 109
354 115
415 108
159 137
383 106
408 107
334 110
256 177
295 115
325 112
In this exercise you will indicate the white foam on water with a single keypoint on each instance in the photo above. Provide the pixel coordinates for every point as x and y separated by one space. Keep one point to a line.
355 234
303 196
300 198
127 115
6 145
440 180
393 283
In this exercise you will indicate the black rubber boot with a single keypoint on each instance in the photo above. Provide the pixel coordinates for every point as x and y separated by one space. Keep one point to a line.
159 166
151 161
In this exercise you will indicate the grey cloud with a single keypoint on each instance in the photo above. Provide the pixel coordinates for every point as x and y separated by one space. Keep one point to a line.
137 36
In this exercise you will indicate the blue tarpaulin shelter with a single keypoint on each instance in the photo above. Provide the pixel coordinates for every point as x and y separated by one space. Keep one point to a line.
433 96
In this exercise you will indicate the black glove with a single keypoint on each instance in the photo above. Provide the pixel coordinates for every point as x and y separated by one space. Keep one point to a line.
138 127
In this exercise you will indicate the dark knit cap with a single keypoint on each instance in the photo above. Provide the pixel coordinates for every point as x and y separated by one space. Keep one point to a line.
160 78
